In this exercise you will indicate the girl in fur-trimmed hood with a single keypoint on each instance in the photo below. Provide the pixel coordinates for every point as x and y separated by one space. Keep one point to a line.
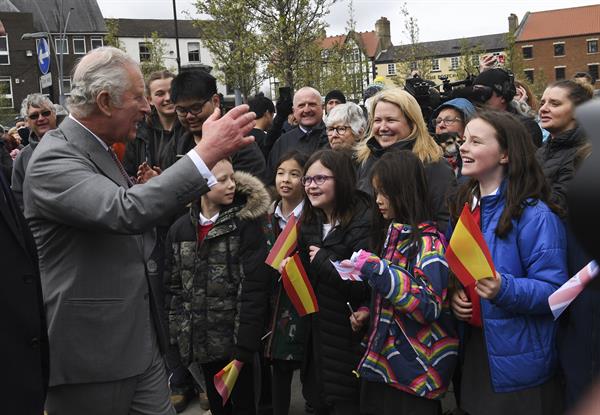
217 281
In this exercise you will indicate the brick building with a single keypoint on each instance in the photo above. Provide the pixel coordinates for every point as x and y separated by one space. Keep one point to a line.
556 44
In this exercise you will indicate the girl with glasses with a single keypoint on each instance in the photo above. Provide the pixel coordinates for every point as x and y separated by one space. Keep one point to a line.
335 224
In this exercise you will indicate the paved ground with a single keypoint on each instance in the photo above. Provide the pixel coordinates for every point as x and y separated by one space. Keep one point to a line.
297 403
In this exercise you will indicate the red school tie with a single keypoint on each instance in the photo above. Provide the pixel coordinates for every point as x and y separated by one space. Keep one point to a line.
113 155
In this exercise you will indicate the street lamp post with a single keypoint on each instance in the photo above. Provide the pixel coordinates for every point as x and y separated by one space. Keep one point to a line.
58 55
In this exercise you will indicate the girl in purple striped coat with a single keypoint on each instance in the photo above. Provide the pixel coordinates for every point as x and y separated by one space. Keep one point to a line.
411 345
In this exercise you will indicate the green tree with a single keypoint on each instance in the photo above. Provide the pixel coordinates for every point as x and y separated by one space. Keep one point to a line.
469 59
290 31
514 56
112 36
413 56
233 39
157 50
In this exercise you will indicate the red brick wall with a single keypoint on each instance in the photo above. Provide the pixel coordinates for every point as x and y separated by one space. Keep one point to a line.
576 58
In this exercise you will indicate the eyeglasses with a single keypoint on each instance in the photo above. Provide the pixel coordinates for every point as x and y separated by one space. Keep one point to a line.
340 130
319 179
193 109
35 115
446 121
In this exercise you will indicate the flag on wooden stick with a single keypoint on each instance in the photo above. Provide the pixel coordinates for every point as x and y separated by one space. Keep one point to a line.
225 379
468 255
298 287
285 244
565 295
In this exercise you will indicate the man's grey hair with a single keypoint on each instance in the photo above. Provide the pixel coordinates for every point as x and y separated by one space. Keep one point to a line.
348 114
37 101
102 69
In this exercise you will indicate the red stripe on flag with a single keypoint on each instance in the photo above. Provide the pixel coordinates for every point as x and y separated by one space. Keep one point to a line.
469 222
295 266
290 227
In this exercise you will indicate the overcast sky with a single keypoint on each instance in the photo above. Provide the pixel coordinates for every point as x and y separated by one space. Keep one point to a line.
438 20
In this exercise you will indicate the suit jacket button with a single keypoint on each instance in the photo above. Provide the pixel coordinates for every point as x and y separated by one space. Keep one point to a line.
35 342
28 279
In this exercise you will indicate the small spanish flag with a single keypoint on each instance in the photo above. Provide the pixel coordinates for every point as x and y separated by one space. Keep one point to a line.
225 379
285 244
468 255
298 288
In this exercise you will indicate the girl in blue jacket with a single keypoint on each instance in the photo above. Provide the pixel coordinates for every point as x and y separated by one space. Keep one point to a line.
510 362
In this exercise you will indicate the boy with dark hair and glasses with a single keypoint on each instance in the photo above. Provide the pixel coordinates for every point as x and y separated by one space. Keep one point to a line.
195 95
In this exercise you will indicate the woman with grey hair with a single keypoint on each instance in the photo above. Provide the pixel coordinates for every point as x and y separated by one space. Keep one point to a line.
346 126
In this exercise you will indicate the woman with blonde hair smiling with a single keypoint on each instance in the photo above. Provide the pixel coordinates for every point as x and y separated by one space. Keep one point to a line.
396 123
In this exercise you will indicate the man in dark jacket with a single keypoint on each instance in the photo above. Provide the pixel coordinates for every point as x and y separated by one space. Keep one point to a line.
194 93
309 136
40 114
24 345
495 89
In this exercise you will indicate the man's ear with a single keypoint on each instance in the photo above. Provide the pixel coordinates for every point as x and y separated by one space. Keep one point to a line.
216 100
104 103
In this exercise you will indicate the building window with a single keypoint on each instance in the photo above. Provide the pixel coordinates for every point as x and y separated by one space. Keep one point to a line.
559 72
355 55
4 56
435 64
527 52
66 86
391 69
144 51
6 96
193 51
593 71
325 54
559 49
97 42
454 62
592 46
61 46
79 45
529 75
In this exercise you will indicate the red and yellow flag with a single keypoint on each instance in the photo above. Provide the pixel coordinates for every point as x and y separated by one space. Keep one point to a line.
225 379
298 288
285 244
468 255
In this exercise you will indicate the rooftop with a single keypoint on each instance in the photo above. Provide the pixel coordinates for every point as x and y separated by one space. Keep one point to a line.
164 27
451 47
367 40
86 16
574 21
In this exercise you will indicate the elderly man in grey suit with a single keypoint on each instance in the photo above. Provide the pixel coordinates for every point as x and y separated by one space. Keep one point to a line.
94 233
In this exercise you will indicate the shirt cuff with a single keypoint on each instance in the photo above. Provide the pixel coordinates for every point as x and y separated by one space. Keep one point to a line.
202 168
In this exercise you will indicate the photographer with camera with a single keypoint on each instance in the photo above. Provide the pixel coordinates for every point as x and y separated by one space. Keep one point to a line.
494 89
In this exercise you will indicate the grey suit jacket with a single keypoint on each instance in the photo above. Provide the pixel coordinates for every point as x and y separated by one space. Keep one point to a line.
94 235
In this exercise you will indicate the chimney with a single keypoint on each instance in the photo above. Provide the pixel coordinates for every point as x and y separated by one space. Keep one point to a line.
382 30
513 23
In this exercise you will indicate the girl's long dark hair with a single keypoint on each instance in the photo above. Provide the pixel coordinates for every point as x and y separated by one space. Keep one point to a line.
340 164
526 182
400 176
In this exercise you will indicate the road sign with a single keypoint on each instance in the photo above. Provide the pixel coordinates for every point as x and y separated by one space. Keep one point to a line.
46 80
43 53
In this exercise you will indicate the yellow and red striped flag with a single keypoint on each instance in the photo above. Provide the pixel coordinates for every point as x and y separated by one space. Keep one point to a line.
298 287
285 244
468 255
225 379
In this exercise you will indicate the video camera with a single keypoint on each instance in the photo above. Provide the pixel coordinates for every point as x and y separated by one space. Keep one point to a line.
430 96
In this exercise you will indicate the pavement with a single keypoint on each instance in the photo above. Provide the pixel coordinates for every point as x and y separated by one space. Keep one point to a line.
297 401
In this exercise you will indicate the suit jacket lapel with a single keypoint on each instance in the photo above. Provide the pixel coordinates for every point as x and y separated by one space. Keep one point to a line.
89 145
